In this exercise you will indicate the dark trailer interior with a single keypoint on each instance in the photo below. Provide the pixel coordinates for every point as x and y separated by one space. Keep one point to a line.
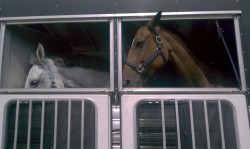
205 45
77 44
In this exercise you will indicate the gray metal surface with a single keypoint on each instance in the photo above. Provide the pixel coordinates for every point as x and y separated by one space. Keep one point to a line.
101 104
2 34
64 7
130 103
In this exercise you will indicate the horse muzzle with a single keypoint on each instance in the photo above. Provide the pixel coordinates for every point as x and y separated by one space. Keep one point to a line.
131 83
131 78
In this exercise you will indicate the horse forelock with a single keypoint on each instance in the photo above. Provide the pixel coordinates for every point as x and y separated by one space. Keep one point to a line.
59 62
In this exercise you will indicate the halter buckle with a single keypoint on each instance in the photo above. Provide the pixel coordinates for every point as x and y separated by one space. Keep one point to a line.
140 68
158 39
159 50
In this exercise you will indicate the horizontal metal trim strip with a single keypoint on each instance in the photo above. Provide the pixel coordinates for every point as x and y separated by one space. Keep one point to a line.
107 17
182 90
55 91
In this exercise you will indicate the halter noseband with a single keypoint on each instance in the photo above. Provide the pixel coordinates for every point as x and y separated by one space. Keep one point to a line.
141 68
51 74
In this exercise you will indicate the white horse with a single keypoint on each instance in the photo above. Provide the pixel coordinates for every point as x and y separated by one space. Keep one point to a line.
52 73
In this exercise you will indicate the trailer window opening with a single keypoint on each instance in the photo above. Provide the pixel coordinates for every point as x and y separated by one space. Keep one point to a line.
202 43
77 48
50 124
186 123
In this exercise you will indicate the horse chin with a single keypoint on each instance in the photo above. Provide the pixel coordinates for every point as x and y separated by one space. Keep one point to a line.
132 83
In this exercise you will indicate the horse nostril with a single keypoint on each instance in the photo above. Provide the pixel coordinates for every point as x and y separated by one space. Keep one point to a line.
126 83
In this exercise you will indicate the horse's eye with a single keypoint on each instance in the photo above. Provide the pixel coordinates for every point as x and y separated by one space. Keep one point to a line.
34 83
139 44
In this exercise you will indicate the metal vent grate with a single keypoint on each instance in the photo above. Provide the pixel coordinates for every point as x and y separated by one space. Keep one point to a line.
186 124
61 124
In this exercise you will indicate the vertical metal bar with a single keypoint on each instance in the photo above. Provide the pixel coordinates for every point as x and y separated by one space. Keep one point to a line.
69 124
221 125
82 126
120 53
2 34
55 123
177 124
16 124
192 123
163 124
240 52
42 124
111 43
29 124
207 124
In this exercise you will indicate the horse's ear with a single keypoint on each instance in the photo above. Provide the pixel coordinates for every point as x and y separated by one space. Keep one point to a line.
154 21
40 54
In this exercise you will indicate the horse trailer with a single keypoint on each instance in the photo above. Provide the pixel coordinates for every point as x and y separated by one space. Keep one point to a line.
125 75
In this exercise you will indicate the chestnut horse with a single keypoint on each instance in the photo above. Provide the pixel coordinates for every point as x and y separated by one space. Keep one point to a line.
154 47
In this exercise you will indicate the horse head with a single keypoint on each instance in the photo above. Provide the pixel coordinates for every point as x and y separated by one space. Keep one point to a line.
152 48
43 73
146 55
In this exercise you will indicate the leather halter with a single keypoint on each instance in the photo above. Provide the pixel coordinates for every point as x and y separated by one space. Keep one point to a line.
141 68
51 74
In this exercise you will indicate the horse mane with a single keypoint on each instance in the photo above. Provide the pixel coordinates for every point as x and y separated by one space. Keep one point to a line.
213 75
57 61
87 61
176 36
74 61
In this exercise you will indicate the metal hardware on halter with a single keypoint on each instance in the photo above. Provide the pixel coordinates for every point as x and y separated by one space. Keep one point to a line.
158 39
141 68
51 74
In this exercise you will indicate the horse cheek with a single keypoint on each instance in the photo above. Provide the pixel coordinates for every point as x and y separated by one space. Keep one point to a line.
157 64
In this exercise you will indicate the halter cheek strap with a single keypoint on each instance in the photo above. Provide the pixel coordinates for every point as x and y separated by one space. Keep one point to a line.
141 68
51 74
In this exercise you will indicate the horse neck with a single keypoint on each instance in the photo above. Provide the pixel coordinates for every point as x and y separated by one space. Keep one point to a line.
187 69
83 77
67 78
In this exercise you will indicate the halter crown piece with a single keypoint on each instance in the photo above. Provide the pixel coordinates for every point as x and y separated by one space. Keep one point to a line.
51 74
141 68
